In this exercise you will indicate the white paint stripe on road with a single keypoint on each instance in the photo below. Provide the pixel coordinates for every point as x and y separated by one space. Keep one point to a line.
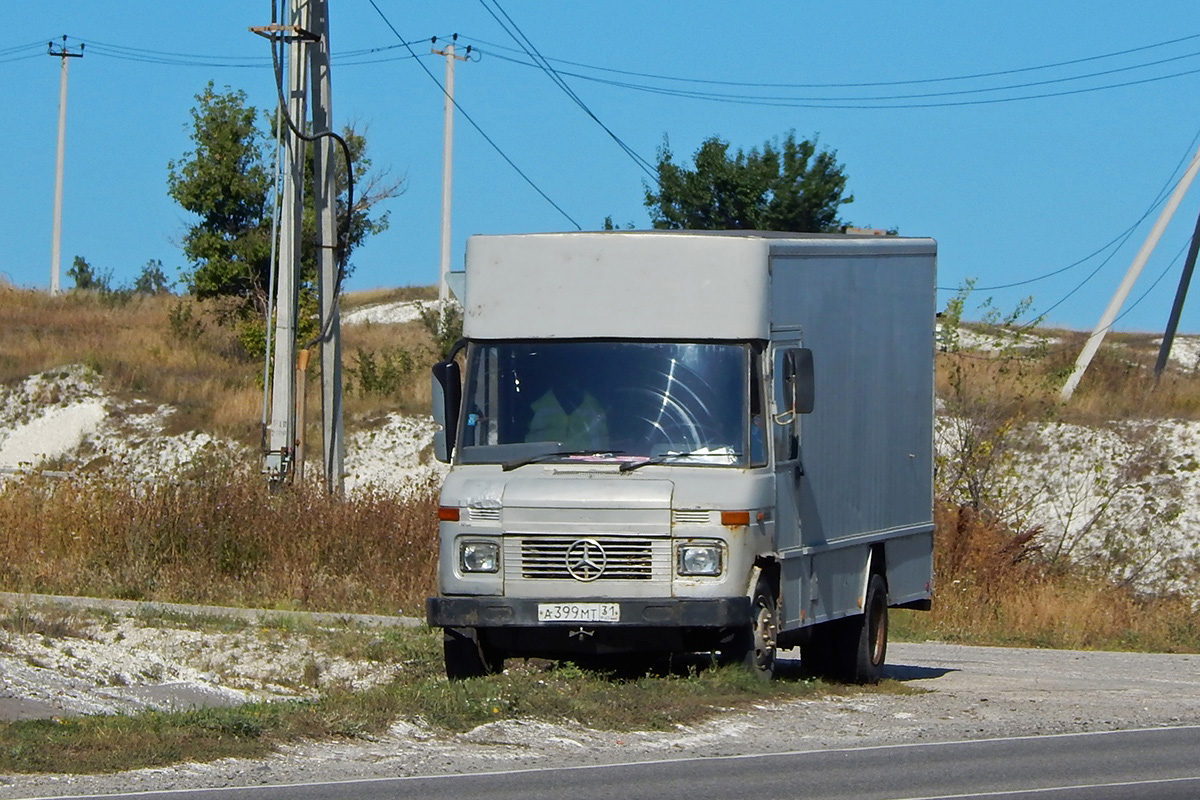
1048 789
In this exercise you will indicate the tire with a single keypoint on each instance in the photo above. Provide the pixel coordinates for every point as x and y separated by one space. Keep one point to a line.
864 638
467 655
755 646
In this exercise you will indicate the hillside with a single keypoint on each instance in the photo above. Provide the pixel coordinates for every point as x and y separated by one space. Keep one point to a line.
161 391
149 383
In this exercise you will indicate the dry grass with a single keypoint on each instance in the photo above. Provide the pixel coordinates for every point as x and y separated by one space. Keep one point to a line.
175 351
993 587
409 342
401 294
221 537
1119 384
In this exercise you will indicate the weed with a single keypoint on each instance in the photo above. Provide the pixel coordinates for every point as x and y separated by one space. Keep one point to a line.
382 372
311 673
50 623
444 324
995 586
183 323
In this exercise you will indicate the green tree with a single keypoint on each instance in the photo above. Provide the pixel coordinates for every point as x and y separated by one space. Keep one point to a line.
152 279
786 186
87 277
226 182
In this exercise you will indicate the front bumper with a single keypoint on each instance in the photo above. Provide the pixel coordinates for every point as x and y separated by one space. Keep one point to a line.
668 612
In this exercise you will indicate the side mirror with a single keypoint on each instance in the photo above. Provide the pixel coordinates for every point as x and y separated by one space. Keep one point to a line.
447 397
798 378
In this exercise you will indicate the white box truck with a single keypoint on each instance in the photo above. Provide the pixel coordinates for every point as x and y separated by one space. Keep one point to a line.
676 441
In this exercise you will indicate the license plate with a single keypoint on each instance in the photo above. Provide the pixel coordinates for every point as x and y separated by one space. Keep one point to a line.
579 612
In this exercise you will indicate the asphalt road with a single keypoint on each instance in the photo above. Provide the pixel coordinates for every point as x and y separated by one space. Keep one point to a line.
1158 763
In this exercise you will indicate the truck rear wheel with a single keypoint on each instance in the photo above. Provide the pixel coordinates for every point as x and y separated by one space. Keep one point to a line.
865 636
755 646
467 654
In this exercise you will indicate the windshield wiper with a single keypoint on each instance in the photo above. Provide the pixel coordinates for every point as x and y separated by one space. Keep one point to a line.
630 466
540 457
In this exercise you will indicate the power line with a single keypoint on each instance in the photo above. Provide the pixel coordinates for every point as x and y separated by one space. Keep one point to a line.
11 59
1123 236
21 52
366 56
884 101
532 51
909 82
473 123
181 61
40 45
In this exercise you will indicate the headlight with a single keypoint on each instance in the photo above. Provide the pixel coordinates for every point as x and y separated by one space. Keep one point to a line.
479 556
700 559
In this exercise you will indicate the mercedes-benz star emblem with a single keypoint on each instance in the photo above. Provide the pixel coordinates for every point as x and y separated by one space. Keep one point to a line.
586 560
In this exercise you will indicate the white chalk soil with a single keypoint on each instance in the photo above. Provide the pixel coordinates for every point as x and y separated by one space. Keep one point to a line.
389 313
56 662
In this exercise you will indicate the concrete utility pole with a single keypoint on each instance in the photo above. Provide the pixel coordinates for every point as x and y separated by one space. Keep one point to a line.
307 36
281 433
56 236
1135 268
324 199
447 160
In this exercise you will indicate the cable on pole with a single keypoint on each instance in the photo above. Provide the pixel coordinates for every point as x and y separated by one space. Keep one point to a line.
276 34
531 50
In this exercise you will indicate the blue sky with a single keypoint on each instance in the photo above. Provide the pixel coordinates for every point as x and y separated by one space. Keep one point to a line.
1011 190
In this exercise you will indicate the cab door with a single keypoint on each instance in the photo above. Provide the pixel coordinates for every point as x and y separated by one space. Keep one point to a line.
791 397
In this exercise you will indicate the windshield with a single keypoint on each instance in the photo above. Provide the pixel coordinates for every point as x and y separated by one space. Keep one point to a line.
536 401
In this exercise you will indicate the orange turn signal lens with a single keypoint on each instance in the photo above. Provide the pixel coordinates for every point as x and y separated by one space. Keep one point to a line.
735 518
448 513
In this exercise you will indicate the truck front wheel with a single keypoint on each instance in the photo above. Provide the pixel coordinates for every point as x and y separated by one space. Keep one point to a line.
468 655
755 646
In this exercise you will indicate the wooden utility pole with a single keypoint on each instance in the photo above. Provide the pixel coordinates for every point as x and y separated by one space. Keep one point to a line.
56 235
1185 278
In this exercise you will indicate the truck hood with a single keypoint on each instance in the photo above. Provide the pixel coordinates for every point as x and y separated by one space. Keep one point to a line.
588 491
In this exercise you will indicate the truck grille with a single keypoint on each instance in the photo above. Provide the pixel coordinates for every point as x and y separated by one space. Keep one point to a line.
691 516
586 558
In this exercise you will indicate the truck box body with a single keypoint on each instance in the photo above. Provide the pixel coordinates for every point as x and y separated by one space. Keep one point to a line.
689 348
